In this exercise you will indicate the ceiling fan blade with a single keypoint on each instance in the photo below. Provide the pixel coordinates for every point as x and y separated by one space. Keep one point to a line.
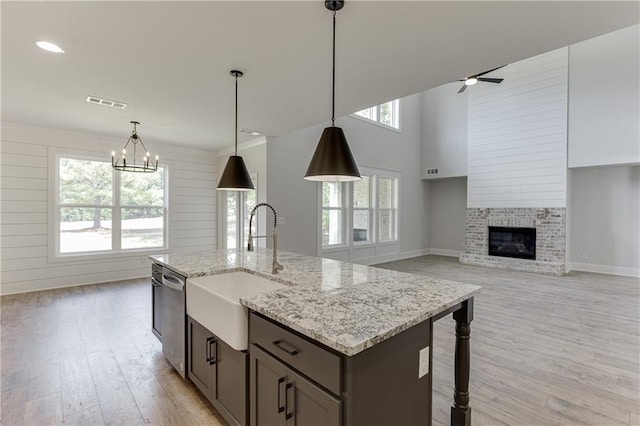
463 88
491 80
487 72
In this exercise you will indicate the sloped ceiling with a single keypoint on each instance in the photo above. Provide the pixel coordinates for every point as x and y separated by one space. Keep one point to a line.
170 61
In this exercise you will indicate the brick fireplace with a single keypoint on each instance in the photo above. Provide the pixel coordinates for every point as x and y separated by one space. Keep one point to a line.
550 232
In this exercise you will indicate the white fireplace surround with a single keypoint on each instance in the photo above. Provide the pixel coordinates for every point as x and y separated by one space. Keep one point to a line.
550 226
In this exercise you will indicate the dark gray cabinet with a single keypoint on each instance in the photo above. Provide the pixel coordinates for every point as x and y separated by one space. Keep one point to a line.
297 381
156 300
219 371
280 396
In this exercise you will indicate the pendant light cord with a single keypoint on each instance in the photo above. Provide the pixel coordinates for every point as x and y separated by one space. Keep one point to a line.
236 151
333 85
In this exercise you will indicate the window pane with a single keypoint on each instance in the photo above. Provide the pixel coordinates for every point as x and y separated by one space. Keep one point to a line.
361 192
142 189
389 114
332 227
387 222
369 113
142 228
386 193
85 229
249 204
332 194
232 219
85 182
361 225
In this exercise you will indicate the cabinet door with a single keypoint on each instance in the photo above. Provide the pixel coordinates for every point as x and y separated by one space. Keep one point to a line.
202 358
308 405
231 381
156 303
267 389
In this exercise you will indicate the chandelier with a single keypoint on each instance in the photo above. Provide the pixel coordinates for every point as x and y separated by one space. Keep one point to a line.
133 165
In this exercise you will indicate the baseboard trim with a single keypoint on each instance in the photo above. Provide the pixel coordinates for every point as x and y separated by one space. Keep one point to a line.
604 269
31 288
394 257
446 252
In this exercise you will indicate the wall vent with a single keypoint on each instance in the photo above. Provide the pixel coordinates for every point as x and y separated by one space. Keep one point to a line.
106 102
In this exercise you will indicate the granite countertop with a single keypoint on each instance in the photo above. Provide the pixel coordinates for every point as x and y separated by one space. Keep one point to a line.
345 306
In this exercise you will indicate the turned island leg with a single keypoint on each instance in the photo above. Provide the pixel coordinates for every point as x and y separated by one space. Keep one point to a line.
461 411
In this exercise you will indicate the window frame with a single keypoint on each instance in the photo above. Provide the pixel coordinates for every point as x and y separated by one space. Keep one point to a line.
116 251
376 121
374 203
344 210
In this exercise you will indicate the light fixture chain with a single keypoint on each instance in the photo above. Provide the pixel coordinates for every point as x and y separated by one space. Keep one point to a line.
333 83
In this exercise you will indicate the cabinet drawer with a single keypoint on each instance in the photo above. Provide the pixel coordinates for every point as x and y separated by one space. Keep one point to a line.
310 359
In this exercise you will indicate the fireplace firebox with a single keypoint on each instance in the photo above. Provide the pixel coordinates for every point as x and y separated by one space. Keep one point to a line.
512 242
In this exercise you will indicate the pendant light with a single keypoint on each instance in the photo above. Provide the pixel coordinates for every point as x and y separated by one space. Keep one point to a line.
332 161
235 176
133 165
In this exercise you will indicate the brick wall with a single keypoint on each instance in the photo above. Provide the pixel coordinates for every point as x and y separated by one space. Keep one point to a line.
550 225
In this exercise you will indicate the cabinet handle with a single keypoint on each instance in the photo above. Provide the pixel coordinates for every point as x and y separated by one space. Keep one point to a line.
289 413
291 350
212 352
280 383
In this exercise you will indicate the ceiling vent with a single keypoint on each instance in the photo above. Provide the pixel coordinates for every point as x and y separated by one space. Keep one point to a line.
106 102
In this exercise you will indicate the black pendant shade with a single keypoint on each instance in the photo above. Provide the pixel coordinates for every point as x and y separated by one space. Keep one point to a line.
332 161
235 176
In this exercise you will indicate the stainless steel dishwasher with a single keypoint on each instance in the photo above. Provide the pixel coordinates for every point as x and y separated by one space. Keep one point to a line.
173 319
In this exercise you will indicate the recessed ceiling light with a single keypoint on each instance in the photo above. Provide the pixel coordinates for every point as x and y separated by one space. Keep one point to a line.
49 47
106 102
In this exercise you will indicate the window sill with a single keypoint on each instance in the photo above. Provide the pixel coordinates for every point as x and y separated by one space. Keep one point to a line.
100 256
375 123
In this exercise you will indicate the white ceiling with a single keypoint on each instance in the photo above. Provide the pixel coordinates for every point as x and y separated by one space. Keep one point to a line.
170 61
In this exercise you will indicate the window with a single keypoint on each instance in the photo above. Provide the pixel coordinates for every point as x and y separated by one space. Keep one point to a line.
372 214
100 210
237 207
362 210
333 213
387 114
387 208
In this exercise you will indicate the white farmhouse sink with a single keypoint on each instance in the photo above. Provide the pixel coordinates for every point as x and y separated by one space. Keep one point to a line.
214 301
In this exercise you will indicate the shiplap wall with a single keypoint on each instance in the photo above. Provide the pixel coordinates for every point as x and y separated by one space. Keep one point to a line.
518 135
24 207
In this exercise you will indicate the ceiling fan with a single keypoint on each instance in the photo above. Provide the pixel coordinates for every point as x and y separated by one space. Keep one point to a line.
473 79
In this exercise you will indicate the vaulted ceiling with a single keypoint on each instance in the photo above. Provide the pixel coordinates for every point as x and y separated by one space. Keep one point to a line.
170 61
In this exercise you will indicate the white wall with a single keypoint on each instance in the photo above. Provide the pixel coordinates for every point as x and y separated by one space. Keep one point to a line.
297 199
604 100
447 215
518 135
444 131
24 210
605 220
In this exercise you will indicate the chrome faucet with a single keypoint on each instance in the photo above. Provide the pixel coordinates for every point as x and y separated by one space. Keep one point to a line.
275 266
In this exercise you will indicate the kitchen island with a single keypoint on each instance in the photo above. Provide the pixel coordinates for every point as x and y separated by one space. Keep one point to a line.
365 318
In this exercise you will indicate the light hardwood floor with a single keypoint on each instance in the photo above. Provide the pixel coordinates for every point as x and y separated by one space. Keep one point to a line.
545 351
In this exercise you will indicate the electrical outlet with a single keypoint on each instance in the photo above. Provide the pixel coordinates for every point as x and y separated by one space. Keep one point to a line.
282 220
423 363
585 255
